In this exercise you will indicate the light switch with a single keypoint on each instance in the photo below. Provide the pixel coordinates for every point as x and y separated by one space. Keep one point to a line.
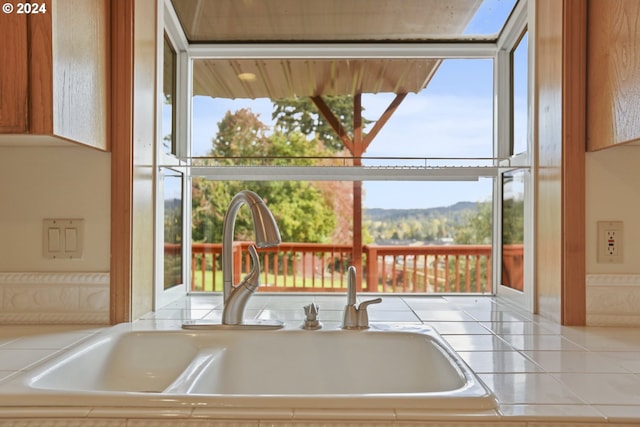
63 238
70 240
54 239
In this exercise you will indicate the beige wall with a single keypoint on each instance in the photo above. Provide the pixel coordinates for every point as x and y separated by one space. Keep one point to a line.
41 182
613 193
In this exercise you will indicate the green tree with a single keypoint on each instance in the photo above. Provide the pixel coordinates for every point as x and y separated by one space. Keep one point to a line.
475 229
240 134
512 221
301 115
209 201
303 212
478 226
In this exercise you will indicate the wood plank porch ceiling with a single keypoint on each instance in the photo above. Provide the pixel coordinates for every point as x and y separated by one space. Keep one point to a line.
277 79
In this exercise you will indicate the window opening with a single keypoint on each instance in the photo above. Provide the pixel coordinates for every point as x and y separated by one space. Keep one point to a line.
452 117
520 98
173 227
427 167
513 229
169 98
411 246
170 176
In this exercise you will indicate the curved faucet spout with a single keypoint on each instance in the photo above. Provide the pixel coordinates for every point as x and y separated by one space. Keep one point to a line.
233 312
267 234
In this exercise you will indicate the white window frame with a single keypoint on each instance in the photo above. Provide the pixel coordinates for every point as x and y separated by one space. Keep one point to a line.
499 51
173 31
520 21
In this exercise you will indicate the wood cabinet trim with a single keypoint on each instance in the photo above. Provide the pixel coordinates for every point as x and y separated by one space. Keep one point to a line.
14 88
40 73
122 14
560 56
574 136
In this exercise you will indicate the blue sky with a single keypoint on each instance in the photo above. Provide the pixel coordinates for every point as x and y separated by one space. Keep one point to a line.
451 118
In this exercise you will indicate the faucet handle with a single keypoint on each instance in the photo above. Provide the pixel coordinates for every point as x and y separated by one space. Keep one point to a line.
363 317
311 311
311 317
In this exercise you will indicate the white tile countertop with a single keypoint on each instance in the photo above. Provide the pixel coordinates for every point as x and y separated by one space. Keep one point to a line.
539 371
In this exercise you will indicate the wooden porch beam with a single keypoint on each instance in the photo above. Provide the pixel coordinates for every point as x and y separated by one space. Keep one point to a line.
383 120
358 151
334 122
358 146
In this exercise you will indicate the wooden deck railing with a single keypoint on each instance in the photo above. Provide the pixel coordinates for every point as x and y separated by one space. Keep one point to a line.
287 267
322 268
443 269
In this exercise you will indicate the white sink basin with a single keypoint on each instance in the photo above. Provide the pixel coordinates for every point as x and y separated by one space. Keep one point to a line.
388 367
131 361
321 362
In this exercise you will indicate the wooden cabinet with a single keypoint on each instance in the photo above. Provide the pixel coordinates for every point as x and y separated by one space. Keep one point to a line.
613 73
14 98
54 71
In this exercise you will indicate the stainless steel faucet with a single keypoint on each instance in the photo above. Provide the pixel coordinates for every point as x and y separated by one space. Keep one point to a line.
267 234
355 318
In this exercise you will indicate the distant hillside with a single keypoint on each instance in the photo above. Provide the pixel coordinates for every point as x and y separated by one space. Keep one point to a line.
425 225
381 214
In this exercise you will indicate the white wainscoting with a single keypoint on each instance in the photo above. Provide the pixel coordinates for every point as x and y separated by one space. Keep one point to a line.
613 299
54 298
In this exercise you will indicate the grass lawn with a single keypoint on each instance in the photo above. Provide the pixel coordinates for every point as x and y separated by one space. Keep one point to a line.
291 282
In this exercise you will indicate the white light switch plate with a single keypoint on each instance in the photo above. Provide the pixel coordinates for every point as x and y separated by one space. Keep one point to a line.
62 238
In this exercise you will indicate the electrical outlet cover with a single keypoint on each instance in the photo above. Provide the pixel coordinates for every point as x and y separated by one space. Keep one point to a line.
610 242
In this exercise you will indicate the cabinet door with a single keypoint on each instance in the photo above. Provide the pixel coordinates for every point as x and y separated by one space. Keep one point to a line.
54 72
14 93
80 71
613 92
